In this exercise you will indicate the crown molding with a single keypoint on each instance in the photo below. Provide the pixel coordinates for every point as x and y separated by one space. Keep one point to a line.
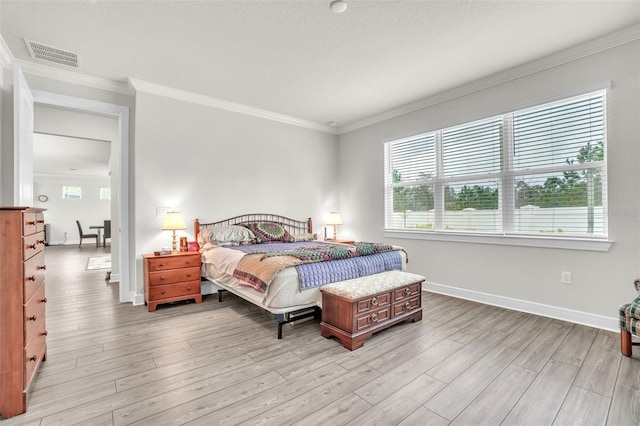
183 95
601 44
6 57
72 77
70 176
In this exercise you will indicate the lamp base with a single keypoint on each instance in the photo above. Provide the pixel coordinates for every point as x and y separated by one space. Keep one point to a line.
174 245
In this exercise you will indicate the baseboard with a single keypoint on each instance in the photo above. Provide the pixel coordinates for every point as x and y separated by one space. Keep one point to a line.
584 318
138 299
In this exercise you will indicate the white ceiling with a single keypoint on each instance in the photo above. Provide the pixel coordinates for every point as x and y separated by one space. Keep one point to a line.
62 155
297 57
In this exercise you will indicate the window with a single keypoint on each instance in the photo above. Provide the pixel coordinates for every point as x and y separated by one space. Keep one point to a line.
71 192
534 172
105 193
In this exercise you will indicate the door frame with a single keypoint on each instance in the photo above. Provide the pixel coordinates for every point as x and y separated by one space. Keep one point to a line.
122 114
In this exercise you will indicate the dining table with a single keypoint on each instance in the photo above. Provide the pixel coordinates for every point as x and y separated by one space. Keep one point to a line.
99 228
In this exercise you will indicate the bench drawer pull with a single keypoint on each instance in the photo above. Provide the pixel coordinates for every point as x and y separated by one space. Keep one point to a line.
375 301
374 317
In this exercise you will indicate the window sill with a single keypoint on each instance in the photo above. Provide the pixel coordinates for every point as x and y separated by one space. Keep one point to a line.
505 240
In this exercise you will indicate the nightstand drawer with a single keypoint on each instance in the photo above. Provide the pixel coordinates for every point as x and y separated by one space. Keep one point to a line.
174 262
174 276
34 309
173 290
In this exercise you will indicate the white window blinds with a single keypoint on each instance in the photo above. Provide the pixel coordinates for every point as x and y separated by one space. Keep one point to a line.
539 171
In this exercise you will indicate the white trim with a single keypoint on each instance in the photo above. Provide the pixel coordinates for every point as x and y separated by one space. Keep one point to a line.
610 41
122 114
67 175
72 77
196 98
138 299
564 314
6 57
505 240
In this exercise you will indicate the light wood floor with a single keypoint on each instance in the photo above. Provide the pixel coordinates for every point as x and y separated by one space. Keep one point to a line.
221 364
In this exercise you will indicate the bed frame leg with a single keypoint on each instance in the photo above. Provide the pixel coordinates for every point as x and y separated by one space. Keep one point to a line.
220 295
280 329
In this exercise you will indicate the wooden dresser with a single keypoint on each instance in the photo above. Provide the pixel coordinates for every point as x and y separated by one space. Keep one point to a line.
23 344
171 277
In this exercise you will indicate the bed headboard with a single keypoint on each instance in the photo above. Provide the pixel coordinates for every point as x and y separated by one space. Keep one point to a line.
292 226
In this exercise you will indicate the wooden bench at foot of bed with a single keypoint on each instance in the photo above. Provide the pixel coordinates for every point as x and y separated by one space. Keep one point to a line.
353 310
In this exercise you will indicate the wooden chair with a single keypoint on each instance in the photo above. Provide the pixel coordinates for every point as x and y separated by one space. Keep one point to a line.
107 232
83 235
630 323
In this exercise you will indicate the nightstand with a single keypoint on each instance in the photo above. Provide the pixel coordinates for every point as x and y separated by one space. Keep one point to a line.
350 242
172 277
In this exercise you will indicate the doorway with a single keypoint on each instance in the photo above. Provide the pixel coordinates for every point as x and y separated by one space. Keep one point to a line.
120 251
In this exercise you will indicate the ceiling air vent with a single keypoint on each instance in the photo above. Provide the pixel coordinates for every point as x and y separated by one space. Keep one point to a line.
52 54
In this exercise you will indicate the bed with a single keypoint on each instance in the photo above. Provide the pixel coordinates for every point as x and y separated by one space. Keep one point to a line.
289 285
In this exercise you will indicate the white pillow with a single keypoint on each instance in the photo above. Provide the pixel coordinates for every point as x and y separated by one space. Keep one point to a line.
307 236
225 234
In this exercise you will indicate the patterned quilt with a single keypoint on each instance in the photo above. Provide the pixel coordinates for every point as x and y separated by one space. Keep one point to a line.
257 270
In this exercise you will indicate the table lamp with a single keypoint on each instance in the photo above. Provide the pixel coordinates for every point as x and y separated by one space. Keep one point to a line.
334 219
172 222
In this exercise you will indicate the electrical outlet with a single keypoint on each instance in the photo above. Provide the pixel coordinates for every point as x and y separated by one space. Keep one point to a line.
565 277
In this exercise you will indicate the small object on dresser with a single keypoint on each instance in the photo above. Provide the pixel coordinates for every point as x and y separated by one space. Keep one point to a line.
183 244
193 246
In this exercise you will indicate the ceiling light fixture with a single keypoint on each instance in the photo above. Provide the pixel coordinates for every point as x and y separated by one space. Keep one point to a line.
338 6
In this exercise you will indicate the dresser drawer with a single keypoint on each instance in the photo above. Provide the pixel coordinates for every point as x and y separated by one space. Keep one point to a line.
32 222
372 303
33 244
405 305
371 319
174 290
173 262
33 355
33 274
407 292
34 309
174 276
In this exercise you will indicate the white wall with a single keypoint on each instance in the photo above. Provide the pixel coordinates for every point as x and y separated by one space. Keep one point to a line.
62 214
212 164
601 281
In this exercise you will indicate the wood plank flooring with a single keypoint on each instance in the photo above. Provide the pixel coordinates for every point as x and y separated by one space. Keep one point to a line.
220 364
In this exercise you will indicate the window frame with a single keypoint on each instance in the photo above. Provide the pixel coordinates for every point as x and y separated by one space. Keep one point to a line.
507 235
65 192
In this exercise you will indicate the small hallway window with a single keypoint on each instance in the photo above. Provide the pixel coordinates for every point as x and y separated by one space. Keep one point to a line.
71 192
105 193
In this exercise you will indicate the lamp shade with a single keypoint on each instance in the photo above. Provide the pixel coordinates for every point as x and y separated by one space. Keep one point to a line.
334 219
173 221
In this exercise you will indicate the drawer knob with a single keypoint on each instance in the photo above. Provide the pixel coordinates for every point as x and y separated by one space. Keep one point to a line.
32 318
407 306
44 300
161 264
407 291
375 301
188 261
39 221
162 291
31 222
31 246
45 333
162 277
189 288
31 278
374 317
41 267
33 358
189 274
